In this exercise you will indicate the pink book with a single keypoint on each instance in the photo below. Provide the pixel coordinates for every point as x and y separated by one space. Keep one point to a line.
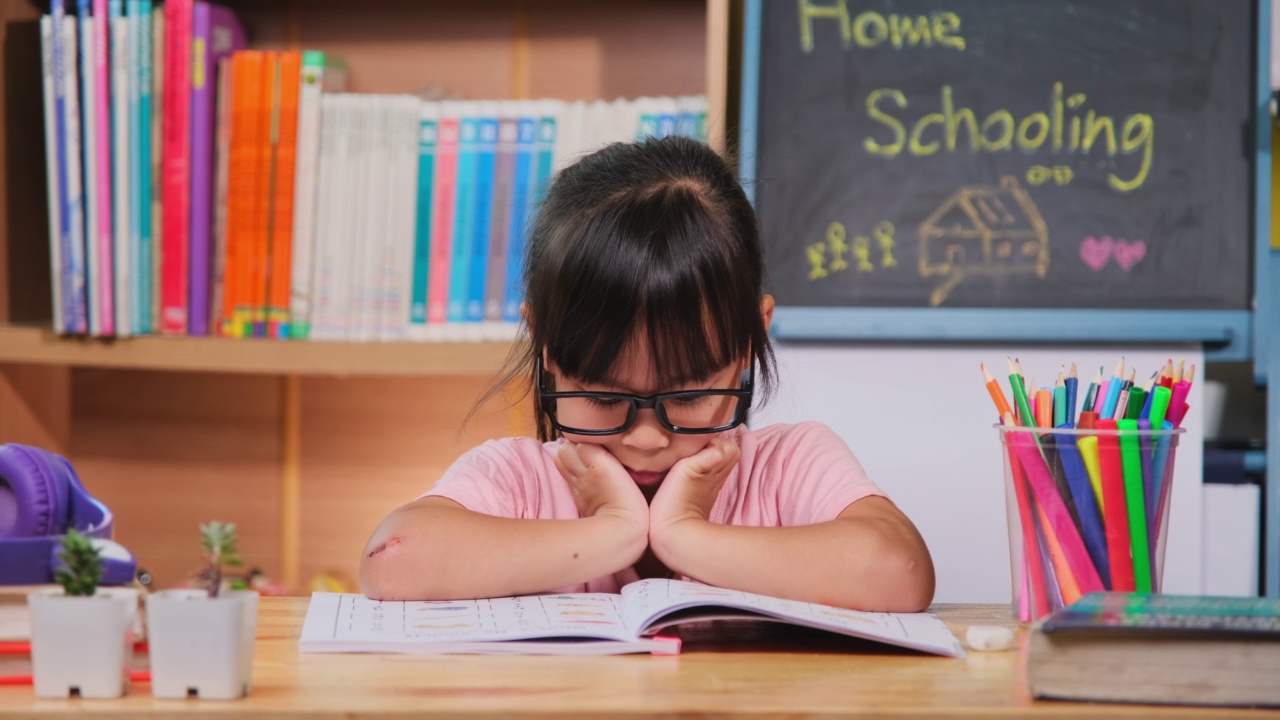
442 214
105 306
175 191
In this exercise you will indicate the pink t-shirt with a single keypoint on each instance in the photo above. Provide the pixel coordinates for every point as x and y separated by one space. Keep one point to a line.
788 475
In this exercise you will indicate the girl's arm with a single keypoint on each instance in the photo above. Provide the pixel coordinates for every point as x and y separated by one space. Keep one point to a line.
871 557
435 549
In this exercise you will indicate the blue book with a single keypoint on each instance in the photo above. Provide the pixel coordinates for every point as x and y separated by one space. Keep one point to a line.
141 313
522 200
428 129
460 257
667 118
482 210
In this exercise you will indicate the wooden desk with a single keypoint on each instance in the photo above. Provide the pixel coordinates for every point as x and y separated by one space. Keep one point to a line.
812 676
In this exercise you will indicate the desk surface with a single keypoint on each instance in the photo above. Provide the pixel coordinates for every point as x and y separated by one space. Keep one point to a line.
813 675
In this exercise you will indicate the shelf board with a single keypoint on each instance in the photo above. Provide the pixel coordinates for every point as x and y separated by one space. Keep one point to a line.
32 345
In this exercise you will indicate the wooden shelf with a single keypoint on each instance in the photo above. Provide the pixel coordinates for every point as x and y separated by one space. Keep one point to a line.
41 346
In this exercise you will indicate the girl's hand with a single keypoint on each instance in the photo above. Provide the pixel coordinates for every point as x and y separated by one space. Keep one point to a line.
600 485
691 487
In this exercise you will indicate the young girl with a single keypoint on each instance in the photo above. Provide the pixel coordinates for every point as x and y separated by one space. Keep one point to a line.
648 340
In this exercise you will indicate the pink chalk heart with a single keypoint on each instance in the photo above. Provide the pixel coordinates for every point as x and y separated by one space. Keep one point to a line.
1129 253
1095 253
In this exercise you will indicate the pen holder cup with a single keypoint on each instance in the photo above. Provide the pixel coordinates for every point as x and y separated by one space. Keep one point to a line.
1088 510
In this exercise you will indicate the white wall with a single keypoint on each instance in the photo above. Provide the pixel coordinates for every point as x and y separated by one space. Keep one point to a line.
920 420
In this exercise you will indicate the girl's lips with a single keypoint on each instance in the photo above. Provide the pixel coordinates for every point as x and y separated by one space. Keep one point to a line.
644 477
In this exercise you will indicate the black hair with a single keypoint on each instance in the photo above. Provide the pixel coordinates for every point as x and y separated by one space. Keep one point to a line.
654 236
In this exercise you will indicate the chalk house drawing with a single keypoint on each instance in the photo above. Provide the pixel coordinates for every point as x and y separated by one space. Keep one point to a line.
983 230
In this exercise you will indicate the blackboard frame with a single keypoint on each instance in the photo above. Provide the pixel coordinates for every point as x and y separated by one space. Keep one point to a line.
1226 334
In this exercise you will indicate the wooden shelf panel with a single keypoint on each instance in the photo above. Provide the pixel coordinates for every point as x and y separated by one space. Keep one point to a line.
270 357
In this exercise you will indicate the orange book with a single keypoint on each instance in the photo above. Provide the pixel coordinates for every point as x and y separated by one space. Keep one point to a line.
284 137
253 312
246 76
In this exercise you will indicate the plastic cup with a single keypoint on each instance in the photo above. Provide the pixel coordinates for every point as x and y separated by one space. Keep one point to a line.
1087 510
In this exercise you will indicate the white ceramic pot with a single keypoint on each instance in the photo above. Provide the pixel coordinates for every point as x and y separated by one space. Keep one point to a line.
201 646
82 644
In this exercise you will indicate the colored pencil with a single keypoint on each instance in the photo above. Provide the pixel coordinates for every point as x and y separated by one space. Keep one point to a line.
1072 383
1091 395
1025 416
997 395
1060 400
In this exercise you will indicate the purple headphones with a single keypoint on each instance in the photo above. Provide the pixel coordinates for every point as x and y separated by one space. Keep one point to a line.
40 497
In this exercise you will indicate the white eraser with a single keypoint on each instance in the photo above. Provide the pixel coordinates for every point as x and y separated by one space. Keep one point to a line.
989 637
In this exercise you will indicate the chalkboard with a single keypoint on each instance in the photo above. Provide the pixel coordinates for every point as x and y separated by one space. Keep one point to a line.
1086 154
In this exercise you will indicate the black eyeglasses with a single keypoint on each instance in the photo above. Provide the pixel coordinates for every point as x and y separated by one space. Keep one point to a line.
690 412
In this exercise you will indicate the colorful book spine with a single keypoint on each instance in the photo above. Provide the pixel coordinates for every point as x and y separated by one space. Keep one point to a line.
133 71
246 74
482 210
442 224
176 189
253 311
428 131
53 171
120 152
156 168
215 34
284 135
89 124
222 176
460 256
500 231
321 73
57 41
142 11
522 200
74 282
106 309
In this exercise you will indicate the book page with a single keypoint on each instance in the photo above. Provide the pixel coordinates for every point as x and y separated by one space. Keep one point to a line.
346 620
646 603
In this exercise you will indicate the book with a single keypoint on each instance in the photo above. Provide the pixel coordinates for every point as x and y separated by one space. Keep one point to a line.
73 277
215 34
284 153
53 171
157 161
222 178
403 191
176 176
106 307
464 207
482 212
122 234
587 623
140 189
321 73
88 126
522 200
1168 649
429 119
442 224
500 230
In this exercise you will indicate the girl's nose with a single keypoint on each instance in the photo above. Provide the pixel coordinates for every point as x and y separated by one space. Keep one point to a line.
646 433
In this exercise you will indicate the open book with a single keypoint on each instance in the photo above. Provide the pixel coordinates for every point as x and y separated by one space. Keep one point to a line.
587 623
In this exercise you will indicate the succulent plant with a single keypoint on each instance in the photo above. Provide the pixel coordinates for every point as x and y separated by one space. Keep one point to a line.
81 569
219 541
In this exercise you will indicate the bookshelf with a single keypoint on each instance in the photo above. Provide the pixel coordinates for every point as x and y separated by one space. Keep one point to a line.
306 445
35 345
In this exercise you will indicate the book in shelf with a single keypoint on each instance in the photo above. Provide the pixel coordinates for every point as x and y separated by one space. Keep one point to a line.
587 623
1168 649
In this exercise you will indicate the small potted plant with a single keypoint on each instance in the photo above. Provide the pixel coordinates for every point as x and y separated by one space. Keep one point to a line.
202 639
81 635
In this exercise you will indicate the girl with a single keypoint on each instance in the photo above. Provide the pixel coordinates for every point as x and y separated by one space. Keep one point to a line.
648 340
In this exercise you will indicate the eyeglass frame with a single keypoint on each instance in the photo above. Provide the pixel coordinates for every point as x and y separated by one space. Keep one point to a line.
745 392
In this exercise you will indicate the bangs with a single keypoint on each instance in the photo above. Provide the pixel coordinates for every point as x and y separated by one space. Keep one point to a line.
651 270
